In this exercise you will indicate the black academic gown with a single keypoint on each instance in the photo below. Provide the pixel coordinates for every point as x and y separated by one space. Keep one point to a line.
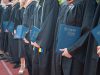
37 22
98 64
42 60
1 9
28 18
5 17
47 6
68 66
92 60
19 42
11 43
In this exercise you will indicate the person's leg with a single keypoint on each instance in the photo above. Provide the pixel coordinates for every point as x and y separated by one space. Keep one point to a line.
21 53
14 51
28 57
6 42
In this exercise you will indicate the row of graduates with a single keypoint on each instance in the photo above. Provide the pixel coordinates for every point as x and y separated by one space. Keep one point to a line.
57 37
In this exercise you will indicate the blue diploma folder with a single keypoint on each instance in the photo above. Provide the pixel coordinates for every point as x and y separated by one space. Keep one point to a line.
96 33
34 33
10 27
4 25
67 36
21 31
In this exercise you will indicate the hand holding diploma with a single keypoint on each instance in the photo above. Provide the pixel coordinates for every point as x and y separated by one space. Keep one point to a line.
65 53
6 30
26 41
35 44
98 50
0 30
14 31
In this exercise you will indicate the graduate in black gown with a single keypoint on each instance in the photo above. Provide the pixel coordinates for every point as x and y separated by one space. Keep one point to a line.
1 9
28 23
38 20
12 49
19 42
98 46
70 60
44 42
7 6
92 64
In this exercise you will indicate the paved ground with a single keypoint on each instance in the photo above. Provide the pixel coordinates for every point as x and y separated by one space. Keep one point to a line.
7 69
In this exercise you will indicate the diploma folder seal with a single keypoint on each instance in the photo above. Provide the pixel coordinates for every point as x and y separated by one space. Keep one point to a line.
67 36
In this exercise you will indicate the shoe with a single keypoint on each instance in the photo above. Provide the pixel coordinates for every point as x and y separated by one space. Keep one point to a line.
22 69
2 57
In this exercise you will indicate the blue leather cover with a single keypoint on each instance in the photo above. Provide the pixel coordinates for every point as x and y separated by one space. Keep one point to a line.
96 33
67 36
21 31
34 33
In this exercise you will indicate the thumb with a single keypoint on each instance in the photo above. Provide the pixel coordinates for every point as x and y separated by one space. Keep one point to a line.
98 51
62 50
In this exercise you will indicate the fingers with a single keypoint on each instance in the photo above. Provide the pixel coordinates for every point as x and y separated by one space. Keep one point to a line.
65 53
14 31
26 41
69 56
36 45
98 52
62 50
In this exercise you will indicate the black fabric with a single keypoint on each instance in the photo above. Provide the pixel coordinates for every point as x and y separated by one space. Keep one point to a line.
14 12
1 10
98 68
5 17
12 49
92 59
28 21
75 17
18 21
28 57
28 17
42 61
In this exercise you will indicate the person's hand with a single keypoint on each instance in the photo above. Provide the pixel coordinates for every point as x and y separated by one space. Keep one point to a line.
98 50
65 53
14 31
35 44
0 30
7 30
26 41
70 1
